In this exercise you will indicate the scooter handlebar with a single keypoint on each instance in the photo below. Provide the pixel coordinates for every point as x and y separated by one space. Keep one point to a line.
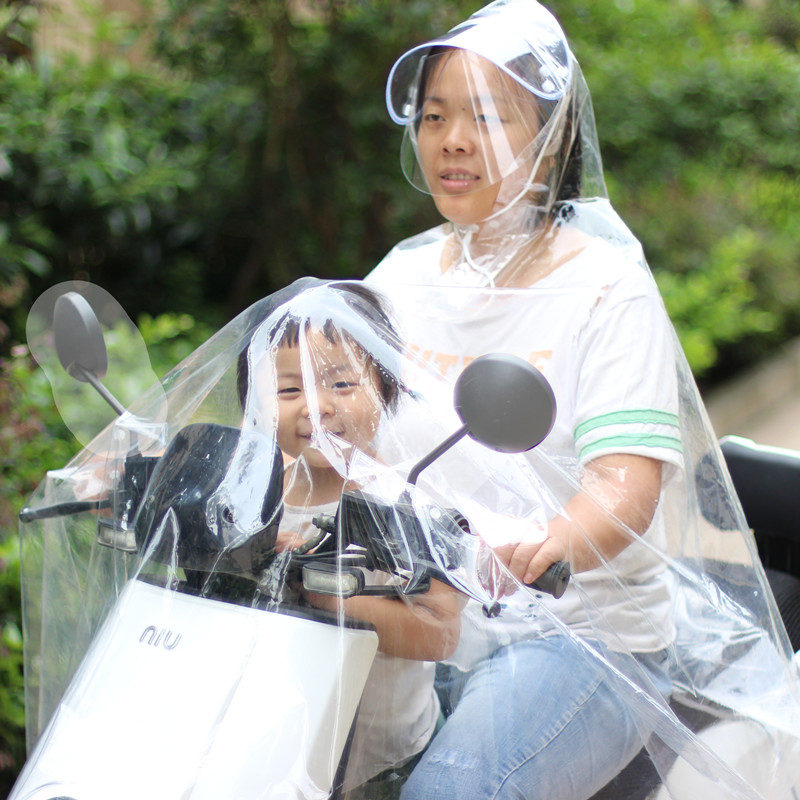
554 580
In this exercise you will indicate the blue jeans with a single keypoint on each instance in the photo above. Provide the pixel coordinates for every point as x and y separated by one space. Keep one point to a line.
538 720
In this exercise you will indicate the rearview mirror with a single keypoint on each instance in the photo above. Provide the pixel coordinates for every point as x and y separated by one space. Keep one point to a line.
505 403
80 344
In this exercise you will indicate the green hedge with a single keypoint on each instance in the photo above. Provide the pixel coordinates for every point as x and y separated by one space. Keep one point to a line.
253 146
698 105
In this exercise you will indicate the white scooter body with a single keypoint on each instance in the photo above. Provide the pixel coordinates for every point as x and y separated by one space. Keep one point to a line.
182 696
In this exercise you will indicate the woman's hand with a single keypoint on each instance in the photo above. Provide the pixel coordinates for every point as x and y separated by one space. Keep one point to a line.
618 501
527 561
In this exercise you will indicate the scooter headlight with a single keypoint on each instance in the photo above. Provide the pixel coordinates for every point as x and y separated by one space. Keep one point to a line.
333 579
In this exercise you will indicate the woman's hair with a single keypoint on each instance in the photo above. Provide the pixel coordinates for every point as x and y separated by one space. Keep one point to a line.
569 161
571 156
364 302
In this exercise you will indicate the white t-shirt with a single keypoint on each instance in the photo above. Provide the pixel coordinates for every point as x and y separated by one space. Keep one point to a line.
597 329
399 707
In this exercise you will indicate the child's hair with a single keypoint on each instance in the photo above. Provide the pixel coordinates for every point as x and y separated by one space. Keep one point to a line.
369 306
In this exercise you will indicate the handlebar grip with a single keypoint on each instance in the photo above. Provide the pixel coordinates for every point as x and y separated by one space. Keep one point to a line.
554 580
61 510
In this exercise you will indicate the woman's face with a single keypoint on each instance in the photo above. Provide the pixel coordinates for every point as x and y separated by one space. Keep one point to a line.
473 129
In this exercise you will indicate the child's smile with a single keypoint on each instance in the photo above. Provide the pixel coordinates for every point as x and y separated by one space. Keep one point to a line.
324 389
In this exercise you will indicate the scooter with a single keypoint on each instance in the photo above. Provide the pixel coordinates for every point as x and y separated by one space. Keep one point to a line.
211 677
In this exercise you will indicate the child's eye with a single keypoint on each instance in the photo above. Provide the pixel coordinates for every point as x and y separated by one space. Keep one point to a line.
346 385
289 391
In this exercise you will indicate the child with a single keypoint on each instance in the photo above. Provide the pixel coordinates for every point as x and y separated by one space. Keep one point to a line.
323 382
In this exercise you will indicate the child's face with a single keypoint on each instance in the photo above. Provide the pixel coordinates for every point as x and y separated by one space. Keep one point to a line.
471 133
341 396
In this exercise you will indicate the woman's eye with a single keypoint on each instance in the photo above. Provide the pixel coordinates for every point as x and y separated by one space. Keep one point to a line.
489 119
431 117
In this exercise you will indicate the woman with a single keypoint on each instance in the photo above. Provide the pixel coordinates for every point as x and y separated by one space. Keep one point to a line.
533 260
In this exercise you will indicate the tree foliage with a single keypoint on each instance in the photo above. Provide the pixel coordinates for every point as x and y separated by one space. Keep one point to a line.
697 107
252 146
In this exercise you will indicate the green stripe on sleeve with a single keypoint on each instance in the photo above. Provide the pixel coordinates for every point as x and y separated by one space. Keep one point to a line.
632 440
647 416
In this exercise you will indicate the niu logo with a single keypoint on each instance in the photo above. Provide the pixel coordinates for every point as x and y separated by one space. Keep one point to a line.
163 638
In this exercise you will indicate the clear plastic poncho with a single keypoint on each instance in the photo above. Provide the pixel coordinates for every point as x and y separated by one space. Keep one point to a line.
217 661
284 585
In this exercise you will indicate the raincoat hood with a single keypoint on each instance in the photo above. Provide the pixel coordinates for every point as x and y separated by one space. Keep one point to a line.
498 109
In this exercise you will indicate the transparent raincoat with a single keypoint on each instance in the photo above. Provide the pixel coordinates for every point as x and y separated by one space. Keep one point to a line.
280 581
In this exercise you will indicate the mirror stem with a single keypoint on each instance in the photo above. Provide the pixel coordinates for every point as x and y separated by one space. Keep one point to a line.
104 393
434 454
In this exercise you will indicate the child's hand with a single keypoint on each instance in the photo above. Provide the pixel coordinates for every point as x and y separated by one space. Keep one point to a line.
324 602
288 540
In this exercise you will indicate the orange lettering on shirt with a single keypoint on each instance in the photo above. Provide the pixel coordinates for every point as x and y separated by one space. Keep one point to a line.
445 361
538 356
